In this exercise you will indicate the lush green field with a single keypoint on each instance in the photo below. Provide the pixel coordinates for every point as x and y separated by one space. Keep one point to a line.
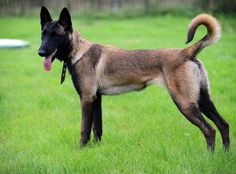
143 132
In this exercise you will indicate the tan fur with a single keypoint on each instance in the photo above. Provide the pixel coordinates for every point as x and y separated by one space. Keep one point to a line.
119 70
118 67
213 27
184 83
82 46
212 36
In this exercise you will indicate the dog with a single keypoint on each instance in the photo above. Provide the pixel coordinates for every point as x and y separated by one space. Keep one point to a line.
98 70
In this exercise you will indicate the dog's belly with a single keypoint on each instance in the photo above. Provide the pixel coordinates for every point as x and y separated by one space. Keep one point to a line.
121 89
112 90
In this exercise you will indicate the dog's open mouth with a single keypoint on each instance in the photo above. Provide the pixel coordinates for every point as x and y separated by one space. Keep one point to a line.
48 61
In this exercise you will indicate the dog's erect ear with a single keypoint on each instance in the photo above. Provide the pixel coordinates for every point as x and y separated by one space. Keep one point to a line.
44 16
65 19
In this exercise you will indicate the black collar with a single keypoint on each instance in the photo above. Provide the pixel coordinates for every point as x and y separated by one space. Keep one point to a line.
65 65
63 72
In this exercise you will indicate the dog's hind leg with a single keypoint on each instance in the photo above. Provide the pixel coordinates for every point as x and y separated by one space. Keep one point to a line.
192 113
208 108
183 84
97 118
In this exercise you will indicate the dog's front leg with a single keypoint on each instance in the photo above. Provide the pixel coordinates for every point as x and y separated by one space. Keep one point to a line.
87 118
97 118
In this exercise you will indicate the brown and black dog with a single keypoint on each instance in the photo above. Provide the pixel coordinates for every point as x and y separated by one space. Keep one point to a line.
98 70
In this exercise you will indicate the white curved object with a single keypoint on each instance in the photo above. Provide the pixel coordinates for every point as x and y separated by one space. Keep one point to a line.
13 43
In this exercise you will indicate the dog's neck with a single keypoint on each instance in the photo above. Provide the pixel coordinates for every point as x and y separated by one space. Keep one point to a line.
76 50
79 47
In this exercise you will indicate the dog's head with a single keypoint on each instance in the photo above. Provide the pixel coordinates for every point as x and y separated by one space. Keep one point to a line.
56 36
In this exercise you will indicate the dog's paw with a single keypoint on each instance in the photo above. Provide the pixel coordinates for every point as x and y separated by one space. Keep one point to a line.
83 141
97 139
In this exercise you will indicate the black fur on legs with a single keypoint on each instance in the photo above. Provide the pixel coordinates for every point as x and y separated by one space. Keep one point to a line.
207 108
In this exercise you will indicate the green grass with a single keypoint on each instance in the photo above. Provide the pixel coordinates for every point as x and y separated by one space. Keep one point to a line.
143 132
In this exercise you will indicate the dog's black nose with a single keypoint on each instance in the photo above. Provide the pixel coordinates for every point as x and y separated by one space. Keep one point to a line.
42 53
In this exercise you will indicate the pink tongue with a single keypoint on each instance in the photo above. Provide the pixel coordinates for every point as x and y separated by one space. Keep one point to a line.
47 63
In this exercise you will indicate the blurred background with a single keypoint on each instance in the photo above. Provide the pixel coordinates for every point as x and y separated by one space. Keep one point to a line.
118 7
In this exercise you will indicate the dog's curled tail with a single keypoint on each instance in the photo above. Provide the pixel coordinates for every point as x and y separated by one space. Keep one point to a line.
212 36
